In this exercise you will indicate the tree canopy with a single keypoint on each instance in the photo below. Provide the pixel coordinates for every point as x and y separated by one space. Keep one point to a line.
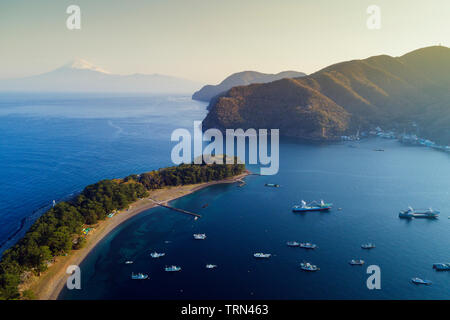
58 230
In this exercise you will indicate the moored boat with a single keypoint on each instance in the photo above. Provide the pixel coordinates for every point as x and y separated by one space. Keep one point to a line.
129 262
368 246
313 206
293 244
413 213
260 255
306 266
441 266
356 262
420 281
172 269
211 266
199 236
308 245
156 255
274 185
139 276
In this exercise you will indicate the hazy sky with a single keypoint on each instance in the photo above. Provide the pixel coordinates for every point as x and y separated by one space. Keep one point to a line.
206 40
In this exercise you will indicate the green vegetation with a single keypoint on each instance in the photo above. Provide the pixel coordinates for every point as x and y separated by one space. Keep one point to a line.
384 91
58 231
243 78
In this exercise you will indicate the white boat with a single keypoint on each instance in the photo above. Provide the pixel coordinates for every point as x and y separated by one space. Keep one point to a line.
172 269
139 276
368 245
413 213
306 266
260 255
441 266
356 262
156 255
313 206
211 266
129 262
308 245
421 281
293 244
199 236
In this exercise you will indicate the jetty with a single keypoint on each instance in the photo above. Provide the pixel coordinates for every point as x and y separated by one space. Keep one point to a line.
164 205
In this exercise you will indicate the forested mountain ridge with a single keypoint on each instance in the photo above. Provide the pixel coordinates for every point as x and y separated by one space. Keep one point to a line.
392 92
239 79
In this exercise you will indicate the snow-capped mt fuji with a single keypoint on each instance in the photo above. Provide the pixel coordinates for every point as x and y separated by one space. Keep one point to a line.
81 64
82 76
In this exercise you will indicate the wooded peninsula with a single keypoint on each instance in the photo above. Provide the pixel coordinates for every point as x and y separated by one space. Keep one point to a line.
60 229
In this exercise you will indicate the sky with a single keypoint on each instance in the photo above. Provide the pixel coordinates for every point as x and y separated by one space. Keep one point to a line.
207 40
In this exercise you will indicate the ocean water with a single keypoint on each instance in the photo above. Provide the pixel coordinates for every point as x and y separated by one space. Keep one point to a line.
370 187
54 145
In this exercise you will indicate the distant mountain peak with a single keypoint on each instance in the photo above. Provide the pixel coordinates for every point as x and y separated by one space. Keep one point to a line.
80 75
81 64
242 78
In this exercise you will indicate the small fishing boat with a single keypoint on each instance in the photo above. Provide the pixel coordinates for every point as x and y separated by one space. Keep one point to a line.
139 276
441 266
413 213
205 205
356 262
368 246
260 255
421 281
172 269
306 266
274 185
211 266
129 262
313 206
156 255
293 244
199 236
308 245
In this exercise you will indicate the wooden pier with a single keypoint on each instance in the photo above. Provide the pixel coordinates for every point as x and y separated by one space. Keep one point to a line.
176 209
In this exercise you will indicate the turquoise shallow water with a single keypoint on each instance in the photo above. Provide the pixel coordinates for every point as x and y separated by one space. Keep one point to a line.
370 187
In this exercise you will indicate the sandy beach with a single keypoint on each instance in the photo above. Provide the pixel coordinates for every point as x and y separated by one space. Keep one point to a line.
50 283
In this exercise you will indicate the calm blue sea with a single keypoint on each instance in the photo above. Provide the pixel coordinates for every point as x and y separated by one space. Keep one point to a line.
53 146
370 187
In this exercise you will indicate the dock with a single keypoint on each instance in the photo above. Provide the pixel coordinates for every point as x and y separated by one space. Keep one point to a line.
161 204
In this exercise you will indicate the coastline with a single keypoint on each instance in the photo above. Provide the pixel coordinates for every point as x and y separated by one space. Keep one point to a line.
49 284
